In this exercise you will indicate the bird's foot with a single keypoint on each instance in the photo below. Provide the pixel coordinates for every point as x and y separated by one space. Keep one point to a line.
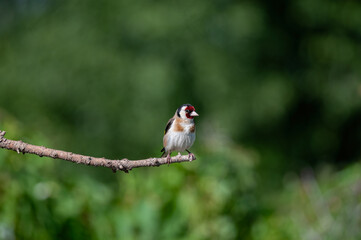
168 159
191 157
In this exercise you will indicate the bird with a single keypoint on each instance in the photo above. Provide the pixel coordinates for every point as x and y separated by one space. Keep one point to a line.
180 132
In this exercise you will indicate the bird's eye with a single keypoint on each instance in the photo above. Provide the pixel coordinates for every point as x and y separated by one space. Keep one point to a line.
188 111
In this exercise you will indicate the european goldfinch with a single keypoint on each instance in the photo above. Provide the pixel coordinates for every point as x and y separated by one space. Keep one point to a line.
179 134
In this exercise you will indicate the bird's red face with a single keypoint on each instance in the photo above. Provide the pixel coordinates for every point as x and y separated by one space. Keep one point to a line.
190 112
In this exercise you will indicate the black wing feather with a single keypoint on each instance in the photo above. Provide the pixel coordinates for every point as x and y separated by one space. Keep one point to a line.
169 124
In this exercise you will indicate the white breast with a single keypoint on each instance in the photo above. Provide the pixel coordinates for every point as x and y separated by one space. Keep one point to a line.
180 141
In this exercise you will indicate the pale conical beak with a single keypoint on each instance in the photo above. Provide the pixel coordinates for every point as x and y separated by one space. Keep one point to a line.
194 114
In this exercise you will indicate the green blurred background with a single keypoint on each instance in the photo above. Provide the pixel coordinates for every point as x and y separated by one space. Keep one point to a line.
277 86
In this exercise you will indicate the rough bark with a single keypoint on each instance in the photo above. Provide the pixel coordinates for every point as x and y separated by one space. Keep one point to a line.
116 165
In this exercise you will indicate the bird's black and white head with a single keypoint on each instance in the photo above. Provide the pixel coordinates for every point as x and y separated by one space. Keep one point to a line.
187 111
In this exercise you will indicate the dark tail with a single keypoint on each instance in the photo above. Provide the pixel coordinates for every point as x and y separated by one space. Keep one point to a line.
163 152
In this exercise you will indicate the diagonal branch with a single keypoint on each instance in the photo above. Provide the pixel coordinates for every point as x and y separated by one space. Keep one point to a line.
123 164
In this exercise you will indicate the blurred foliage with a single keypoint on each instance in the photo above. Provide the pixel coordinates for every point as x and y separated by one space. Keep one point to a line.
326 207
276 84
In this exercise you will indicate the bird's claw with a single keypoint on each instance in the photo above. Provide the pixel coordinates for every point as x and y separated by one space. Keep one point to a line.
191 157
168 159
